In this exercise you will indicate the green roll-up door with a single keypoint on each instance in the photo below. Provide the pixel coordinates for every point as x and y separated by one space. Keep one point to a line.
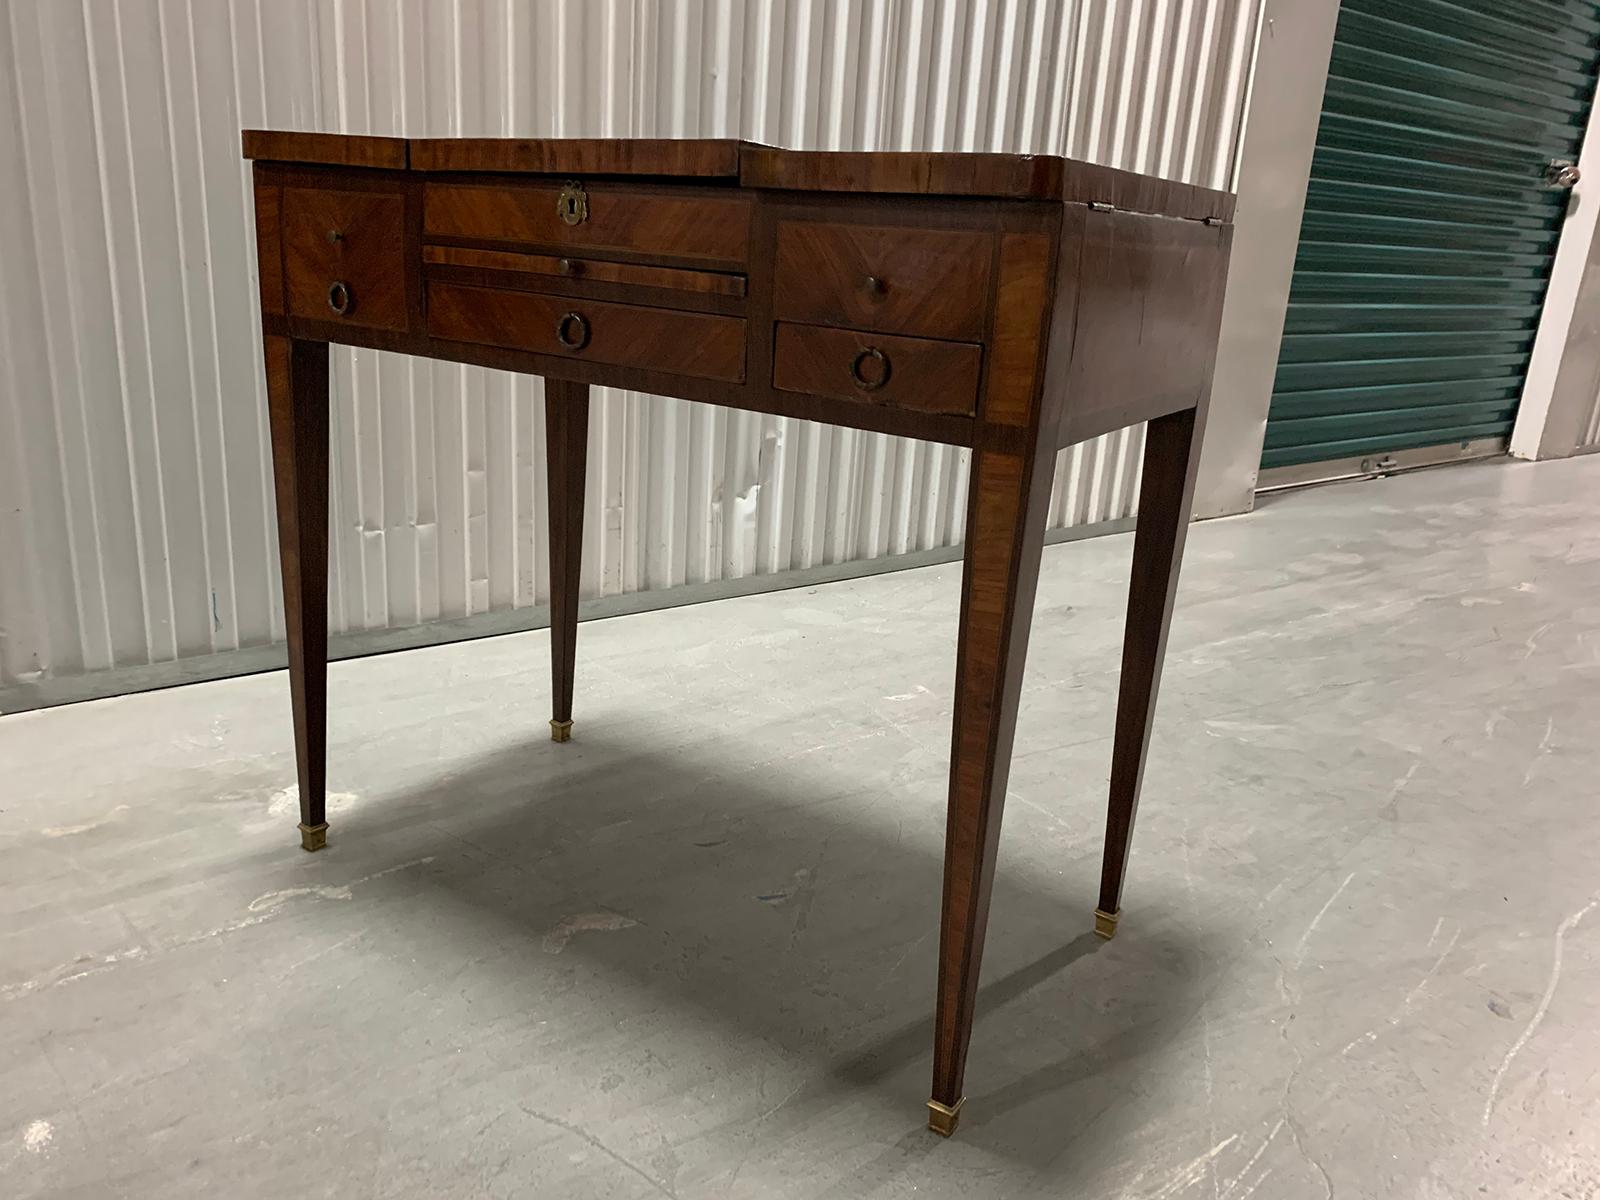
1430 225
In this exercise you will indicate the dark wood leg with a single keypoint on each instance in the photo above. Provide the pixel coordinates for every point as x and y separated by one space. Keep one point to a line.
297 402
1009 495
1166 495
566 425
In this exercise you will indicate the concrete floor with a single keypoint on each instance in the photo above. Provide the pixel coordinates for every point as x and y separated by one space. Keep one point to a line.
691 953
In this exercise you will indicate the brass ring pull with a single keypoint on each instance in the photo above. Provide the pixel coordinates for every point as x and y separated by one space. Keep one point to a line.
572 331
340 298
872 354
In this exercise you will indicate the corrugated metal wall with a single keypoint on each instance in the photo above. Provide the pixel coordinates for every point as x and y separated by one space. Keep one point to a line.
135 504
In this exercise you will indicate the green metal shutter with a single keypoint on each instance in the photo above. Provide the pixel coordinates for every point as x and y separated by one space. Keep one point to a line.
1429 228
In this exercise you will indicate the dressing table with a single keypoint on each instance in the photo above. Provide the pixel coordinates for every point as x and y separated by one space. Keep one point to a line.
1012 304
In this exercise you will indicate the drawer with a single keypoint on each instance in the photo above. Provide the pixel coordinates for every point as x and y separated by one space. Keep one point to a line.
344 257
655 339
902 372
701 224
932 282
672 279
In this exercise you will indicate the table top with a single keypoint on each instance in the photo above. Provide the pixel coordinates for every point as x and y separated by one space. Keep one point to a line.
1041 177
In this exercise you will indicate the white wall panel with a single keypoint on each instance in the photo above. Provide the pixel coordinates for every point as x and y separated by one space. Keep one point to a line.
135 503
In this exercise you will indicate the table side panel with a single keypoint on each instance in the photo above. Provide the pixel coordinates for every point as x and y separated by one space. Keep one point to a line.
269 241
1021 314
1142 339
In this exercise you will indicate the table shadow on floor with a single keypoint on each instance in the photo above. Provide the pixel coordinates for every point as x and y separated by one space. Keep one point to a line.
798 902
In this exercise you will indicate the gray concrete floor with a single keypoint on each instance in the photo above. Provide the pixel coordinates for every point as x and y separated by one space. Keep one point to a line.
691 953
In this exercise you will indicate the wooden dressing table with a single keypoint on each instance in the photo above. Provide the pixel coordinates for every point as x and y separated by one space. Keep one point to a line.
1013 304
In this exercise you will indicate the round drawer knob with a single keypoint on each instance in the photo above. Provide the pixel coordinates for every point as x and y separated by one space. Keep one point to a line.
340 298
870 369
572 331
876 286
569 266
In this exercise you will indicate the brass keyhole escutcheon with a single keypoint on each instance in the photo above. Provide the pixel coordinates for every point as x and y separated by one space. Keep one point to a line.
572 205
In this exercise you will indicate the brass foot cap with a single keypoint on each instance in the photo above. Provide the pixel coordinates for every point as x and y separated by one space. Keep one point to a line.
1105 924
943 1118
560 731
313 837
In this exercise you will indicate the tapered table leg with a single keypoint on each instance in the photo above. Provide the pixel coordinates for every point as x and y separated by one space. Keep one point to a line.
297 402
566 424
1005 533
1166 494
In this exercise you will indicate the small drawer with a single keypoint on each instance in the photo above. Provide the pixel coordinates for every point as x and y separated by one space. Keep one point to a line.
931 282
902 372
670 279
702 225
654 339
344 256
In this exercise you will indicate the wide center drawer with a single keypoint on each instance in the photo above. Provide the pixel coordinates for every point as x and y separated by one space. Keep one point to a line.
930 282
655 339
699 225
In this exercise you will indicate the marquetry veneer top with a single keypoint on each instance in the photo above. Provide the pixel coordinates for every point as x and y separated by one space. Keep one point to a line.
887 172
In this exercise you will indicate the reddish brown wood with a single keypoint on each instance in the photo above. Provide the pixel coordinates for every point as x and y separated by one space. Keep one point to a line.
928 282
1009 498
1015 176
675 279
1006 176
750 395
877 368
699 157
580 288
331 149
297 408
269 243
1166 498
354 239
1001 320
566 424
1021 308
703 225
1000 176
1145 334
681 343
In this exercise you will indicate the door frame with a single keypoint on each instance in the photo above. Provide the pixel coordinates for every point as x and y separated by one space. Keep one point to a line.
1561 393
1560 401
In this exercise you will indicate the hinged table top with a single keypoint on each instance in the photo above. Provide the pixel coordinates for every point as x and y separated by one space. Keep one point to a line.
890 172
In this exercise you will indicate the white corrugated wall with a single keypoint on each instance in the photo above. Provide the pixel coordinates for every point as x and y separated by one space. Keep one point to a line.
135 501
